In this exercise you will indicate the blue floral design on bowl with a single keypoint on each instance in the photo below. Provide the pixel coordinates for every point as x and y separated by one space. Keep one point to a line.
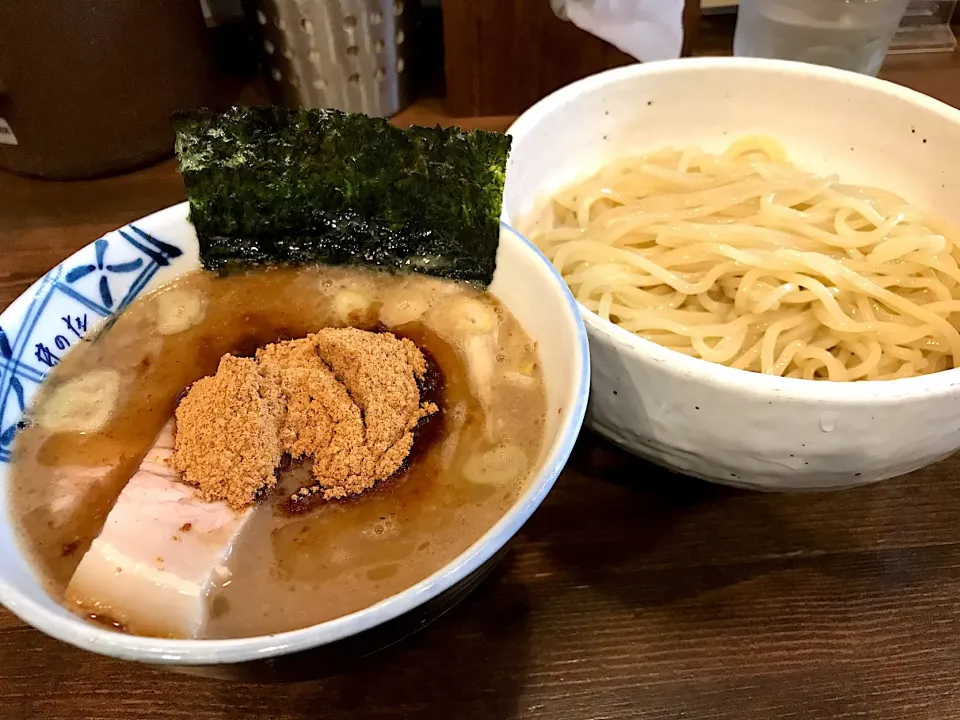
64 305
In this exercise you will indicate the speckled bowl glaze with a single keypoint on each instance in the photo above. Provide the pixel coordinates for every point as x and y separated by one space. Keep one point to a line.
99 281
706 420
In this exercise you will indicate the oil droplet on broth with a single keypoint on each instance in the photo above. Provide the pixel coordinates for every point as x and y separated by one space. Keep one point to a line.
219 606
385 528
382 572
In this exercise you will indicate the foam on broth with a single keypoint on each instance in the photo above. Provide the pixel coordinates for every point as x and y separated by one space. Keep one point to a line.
294 570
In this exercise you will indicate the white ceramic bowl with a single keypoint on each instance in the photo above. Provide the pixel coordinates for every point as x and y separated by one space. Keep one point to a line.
101 280
713 422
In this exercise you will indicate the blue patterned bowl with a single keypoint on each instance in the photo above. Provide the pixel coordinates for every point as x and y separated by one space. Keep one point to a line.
99 281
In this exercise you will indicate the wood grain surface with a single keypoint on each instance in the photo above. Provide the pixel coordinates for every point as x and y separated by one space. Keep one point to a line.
631 593
501 56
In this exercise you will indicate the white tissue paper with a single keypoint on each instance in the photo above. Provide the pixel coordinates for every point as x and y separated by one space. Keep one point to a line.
647 29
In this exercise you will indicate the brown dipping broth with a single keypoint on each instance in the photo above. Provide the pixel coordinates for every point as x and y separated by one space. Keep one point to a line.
294 570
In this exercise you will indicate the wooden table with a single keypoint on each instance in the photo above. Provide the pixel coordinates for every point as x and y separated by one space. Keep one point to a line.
631 593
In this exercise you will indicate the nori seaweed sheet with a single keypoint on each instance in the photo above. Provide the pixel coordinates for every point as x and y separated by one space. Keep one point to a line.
271 185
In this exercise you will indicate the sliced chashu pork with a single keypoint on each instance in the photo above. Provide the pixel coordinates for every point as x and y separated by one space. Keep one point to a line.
71 487
159 553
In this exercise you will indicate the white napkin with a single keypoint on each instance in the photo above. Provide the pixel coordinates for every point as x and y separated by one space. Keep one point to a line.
647 29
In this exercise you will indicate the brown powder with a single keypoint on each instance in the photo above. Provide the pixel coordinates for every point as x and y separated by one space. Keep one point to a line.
344 397
352 404
226 441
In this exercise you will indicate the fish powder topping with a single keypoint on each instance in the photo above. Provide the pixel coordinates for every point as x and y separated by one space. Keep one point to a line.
346 398
226 442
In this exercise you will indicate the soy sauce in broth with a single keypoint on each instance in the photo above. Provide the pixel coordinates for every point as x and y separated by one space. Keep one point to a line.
290 570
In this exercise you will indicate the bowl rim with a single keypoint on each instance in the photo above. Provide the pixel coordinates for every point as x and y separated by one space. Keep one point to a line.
159 651
745 381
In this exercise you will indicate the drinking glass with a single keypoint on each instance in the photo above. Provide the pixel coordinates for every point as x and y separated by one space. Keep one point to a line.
848 34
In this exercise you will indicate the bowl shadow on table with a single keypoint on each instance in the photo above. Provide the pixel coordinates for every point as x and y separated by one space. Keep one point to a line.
442 671
654 539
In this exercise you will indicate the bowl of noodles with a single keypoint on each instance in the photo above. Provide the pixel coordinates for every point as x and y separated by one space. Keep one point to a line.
766 258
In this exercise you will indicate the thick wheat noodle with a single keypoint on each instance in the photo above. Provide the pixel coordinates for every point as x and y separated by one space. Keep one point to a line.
741 258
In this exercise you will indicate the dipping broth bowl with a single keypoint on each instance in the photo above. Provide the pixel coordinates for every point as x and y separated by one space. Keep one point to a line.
706 420
99 281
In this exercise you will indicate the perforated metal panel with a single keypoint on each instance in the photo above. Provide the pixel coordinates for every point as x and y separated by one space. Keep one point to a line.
347 54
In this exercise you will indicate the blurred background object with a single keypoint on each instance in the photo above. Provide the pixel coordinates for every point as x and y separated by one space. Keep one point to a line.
847 34
501 56
648 30
354 55
925 27
87 86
